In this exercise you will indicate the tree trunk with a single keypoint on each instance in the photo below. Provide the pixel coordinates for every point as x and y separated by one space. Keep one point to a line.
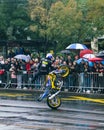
94 45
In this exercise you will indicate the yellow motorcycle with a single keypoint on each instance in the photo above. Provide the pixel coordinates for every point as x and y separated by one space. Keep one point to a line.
54 83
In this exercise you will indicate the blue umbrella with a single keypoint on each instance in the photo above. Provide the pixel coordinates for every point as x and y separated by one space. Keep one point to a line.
91 64
80 60
102 62
85 60
77 46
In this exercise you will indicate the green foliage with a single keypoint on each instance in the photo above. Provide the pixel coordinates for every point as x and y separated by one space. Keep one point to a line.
64 21
95 17
14 19
57 22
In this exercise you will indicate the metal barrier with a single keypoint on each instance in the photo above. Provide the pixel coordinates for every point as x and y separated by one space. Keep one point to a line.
87 82
83 82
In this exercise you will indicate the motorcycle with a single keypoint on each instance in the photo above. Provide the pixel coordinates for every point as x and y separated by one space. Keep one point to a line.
54 83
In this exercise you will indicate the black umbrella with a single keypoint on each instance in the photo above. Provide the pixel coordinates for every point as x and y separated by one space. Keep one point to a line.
100 54
65 52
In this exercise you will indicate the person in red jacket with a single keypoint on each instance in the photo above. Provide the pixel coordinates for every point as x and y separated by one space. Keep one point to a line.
29 73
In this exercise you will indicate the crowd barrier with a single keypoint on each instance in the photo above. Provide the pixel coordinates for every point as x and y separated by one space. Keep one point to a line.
76 82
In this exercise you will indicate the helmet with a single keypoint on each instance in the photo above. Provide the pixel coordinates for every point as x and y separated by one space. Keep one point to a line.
49 56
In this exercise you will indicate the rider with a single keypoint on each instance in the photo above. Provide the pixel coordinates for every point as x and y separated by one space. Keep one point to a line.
45 66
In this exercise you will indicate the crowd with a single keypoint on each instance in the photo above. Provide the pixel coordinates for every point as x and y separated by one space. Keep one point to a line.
82 77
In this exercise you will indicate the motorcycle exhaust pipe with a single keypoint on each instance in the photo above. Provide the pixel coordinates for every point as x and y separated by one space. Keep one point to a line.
54 95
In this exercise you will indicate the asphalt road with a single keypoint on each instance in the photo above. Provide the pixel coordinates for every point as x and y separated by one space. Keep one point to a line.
21 111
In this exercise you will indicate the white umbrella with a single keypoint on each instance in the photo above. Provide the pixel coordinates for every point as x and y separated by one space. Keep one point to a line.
77 46
23 57
87 56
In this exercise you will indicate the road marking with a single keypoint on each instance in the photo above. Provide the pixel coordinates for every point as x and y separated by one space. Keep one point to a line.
64 99
84 99
14 94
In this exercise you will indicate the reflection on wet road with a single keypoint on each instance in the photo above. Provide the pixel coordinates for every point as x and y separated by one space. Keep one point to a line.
81 98
31 97
32 115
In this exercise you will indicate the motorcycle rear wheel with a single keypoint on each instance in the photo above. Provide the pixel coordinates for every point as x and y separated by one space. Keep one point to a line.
54 103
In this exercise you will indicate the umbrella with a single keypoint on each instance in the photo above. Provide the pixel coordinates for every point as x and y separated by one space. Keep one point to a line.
86 51
22 57
91 64
95 59
100 54
102 62
81 59
65 51
87 56
85 60
77 46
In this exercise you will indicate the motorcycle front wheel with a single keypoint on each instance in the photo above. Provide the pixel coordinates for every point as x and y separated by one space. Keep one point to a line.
54 103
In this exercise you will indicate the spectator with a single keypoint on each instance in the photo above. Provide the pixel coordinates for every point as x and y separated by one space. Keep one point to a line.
11 54
87 78
24 74
21 50
34 68
29 64
101 77
81 76
13 76
76 58
75 70
66 80
69 59
94 77
19 74
7 66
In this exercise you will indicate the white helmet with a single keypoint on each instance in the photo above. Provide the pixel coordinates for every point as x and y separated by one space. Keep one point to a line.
49 56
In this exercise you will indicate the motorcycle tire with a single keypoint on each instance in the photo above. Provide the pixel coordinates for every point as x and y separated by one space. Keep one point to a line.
54 103
66 70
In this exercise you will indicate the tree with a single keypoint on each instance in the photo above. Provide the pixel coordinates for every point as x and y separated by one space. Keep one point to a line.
3 23
55 22
39 14
14 19
64 21
95 18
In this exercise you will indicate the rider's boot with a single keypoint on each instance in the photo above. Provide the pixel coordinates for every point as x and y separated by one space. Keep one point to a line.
41 97
44 95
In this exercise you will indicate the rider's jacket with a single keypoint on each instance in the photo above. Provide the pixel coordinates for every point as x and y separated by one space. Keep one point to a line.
45 66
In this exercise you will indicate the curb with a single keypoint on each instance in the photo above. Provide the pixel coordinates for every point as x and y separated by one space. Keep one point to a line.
62 93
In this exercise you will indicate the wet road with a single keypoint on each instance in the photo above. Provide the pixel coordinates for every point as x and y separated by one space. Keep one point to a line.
75 113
